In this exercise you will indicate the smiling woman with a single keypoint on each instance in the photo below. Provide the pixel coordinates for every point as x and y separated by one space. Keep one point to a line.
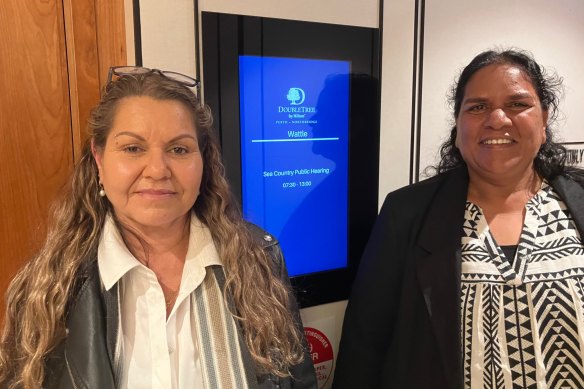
500 129
149 276
480 267
501 125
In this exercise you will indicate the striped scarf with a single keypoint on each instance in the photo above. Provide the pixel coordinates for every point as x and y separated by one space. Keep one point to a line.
225 361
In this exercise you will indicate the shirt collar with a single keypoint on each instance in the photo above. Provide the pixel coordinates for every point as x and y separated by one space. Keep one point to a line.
113 257
201 251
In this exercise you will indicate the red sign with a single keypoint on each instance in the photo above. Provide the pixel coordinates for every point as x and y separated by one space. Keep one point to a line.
321 352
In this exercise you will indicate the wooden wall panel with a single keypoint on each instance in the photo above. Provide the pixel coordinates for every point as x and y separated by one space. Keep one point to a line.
111 35
83 59
96 40
35 125
54 58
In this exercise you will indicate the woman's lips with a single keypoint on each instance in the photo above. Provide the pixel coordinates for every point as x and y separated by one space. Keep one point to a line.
156 193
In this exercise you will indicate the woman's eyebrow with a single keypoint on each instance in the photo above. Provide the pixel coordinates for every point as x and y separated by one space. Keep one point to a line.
129 133
474 100
182 136
521 96
141 138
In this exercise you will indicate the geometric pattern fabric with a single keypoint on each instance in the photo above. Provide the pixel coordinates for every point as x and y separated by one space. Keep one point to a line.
522 318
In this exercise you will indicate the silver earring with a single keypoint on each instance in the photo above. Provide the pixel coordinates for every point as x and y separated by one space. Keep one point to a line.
101 190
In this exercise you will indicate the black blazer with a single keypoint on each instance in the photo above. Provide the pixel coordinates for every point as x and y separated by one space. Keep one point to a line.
402 322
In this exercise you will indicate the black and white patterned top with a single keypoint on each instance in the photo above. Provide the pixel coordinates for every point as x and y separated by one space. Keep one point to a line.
522 318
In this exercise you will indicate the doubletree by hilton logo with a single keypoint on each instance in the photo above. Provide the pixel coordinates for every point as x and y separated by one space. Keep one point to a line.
296 96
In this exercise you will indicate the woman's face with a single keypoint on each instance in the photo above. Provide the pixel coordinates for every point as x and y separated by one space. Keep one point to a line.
501 124
151 166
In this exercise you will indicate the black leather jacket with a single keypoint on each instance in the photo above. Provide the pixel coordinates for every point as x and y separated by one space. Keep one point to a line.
85 358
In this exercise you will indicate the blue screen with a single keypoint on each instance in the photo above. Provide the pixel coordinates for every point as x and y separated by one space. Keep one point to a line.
294 151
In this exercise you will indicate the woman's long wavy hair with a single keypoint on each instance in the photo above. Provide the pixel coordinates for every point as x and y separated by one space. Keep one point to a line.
39 296
550 160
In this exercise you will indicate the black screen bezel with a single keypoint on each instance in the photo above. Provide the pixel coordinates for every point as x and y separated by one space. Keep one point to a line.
227 36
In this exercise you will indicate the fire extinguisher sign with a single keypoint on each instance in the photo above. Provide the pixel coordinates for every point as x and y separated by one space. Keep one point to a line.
321 352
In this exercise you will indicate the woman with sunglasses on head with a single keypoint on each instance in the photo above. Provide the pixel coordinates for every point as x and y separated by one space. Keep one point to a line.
149 277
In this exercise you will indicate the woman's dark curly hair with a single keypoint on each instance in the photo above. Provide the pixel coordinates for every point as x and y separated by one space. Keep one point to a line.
551 157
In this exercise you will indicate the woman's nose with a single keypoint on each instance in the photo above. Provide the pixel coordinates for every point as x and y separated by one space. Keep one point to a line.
157 165
497 119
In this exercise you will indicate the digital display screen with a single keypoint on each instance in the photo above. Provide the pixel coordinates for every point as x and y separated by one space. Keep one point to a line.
294 120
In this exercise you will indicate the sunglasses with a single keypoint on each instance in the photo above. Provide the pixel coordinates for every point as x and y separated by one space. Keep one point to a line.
137 70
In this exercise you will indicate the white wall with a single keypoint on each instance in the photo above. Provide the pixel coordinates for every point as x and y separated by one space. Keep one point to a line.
323 11
168 35
396 95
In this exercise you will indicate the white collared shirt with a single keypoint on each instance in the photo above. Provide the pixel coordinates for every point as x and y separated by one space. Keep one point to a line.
157 353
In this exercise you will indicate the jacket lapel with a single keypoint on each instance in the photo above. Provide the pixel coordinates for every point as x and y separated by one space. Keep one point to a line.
572 194
438 268
110 300
86 352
